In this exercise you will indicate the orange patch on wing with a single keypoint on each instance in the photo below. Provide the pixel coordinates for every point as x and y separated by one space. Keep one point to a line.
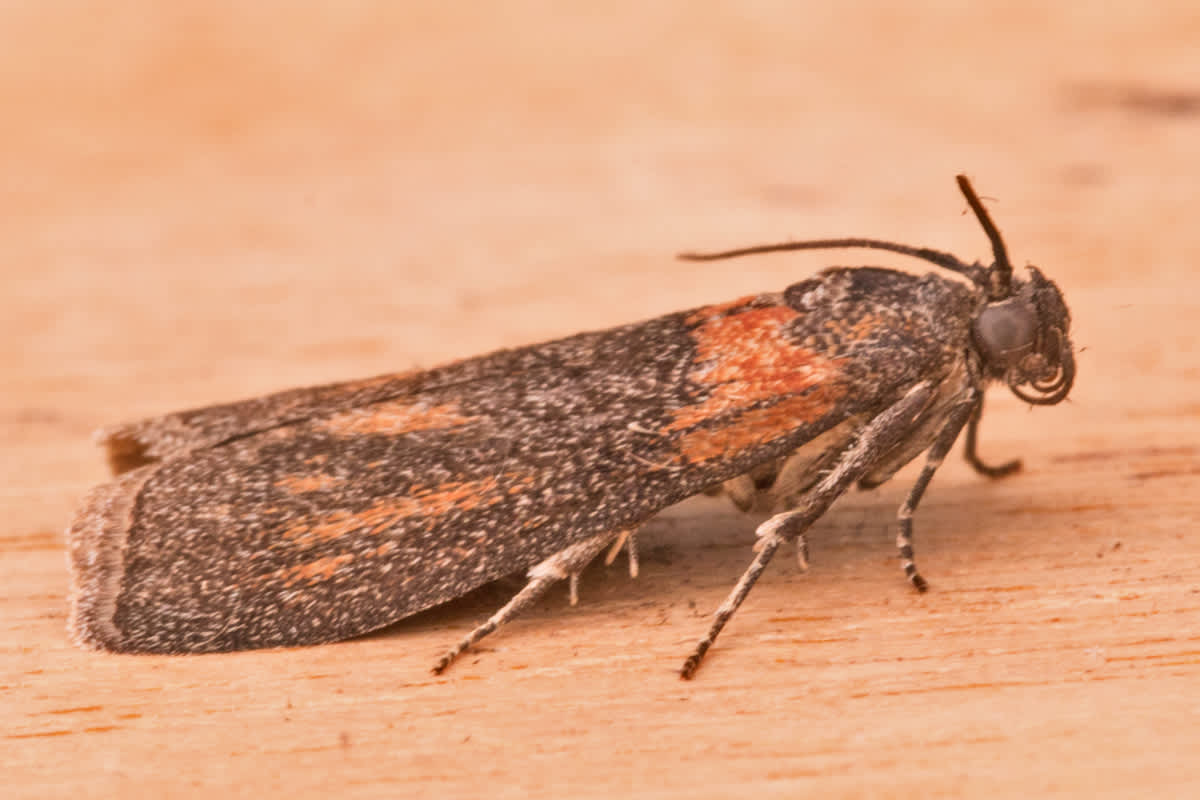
757 426
335 524
423 503
860 329
299 484
744 359
458 495
320 570
393 417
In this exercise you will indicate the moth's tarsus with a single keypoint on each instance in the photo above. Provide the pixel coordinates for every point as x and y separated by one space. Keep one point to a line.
946 437
971 449
688 670
914 577
769 542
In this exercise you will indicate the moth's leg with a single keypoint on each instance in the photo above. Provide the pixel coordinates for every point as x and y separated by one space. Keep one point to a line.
971 450
958 416
744 585
801 550
878 436
566 563
752 490
628 540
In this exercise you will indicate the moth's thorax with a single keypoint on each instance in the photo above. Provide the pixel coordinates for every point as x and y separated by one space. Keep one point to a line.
883 322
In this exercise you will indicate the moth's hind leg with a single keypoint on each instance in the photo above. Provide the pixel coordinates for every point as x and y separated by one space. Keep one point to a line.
566 563
971 450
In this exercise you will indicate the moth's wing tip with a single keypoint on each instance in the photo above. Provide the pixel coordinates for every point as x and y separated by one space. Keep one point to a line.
96 560
84 633
130 445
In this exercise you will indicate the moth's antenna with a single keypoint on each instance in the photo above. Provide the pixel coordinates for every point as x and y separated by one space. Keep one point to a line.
944 260
1000 275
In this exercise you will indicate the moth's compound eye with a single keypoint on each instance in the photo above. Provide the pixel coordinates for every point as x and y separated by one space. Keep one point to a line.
1005 332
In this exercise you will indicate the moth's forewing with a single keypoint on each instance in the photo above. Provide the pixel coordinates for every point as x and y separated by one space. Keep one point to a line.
320 514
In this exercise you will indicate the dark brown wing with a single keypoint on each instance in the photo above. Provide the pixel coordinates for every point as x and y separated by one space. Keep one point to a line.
356 515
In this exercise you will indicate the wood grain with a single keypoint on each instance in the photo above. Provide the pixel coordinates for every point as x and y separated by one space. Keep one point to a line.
206 202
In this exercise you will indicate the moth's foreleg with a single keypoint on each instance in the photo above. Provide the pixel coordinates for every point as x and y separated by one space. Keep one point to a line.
958 416
877 437
566 563
971 449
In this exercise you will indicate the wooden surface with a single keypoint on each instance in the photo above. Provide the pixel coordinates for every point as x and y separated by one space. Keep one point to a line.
202 202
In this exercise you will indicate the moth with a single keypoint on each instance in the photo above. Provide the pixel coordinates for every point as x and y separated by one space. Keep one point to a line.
319 514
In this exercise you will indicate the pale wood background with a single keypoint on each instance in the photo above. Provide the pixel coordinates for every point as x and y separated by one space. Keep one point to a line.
204 202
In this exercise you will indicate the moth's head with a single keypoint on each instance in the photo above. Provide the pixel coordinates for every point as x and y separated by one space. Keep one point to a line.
1023 333
1024 340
